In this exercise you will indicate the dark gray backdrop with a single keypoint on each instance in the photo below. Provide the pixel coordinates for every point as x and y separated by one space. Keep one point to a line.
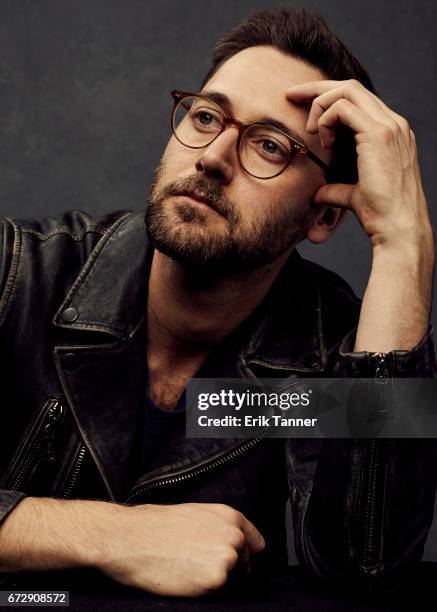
84 98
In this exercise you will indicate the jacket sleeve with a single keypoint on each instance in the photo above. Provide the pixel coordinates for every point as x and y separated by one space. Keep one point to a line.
362 508
4 256
8 499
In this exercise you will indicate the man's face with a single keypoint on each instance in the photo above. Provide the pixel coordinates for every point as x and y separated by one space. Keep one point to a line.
244 222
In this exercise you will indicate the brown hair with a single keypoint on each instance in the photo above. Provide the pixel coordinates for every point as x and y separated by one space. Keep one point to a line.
304 35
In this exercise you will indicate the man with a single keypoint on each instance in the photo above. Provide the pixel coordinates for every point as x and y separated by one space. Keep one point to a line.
89 313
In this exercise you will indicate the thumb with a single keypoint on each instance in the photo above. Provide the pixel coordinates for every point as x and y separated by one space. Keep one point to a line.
335 194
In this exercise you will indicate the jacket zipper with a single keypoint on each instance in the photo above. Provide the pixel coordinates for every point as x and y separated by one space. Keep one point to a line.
370 514
374 481
207 467
40 446
74 472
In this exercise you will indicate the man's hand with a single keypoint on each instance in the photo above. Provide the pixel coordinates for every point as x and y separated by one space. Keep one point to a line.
182 550
390 204
388 198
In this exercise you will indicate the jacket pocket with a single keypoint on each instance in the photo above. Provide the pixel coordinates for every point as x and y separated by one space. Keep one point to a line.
37 450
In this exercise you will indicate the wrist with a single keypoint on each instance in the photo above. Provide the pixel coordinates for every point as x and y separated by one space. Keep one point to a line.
52 534
405 257
100 526
416 243
397 301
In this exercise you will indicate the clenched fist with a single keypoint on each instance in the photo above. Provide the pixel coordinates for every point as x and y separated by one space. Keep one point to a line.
182 550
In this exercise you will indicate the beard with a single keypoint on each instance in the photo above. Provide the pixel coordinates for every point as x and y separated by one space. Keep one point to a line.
184 232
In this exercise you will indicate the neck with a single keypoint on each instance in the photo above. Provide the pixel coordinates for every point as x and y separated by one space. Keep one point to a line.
186 318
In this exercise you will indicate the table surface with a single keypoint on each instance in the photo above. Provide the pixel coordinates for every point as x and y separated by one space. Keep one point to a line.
286 593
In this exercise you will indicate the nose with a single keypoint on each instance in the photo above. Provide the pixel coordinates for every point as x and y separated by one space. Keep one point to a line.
219 159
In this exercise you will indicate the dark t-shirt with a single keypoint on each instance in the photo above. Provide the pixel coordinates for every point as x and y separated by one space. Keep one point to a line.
157 425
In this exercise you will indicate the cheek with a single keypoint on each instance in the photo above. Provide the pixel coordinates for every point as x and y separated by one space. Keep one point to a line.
300 187
293 191
178 160
286 200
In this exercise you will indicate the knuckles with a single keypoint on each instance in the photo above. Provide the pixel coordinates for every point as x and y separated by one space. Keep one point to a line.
229 558
384 134
216 580
340 106
232 515
236 538
404 125
398 129
355 84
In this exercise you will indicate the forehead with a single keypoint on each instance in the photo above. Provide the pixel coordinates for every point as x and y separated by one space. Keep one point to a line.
255 81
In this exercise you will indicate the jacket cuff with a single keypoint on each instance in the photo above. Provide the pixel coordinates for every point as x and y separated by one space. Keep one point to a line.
8 501
418 362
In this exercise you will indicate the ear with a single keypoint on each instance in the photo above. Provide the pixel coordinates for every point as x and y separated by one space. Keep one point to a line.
325 224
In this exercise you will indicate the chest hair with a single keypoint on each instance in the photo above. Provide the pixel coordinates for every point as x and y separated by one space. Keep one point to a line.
166 389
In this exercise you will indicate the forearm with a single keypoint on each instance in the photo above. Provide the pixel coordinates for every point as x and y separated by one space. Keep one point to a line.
50 534
396 306
181 549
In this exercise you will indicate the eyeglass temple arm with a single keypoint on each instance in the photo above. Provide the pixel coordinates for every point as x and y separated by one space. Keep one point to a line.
319 162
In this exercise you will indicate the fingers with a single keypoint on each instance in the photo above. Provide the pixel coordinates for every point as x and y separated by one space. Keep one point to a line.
252 537
327 93
335 194
346 113
358 95
244 559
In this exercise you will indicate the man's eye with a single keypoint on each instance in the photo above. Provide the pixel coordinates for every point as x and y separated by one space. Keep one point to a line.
206 119
272 150
270 147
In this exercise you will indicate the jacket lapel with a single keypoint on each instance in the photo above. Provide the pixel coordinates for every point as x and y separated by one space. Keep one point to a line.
102 361
105 387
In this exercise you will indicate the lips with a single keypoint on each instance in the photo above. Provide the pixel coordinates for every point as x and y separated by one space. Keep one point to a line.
198 196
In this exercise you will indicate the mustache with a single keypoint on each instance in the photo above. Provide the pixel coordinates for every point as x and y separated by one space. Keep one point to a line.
211 191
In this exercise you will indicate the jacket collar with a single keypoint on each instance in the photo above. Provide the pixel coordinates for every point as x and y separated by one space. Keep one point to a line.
109 295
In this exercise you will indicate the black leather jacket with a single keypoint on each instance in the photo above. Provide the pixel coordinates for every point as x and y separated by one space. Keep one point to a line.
73 366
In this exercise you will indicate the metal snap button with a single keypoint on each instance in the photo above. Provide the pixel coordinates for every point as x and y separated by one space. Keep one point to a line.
69 315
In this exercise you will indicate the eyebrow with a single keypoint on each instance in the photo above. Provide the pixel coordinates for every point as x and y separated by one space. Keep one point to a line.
225 103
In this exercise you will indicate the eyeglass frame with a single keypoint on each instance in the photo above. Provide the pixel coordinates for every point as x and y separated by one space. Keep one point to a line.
299 147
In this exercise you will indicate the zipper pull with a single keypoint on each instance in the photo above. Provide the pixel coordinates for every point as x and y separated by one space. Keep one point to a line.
381 372
54 417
